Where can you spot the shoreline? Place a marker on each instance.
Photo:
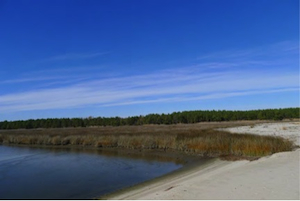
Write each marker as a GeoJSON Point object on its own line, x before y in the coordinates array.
{"type": "Point", "coordinates": [224, 180]}
{"type": "Point", "coordinates": [270, 177]}
{"type": "Point", "coordinates": [186, 171]}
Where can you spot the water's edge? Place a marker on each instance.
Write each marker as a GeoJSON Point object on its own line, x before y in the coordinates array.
{"type": "Point", "coordinates": [185, 169]}
{"type": "Point", "coordinates": [179, 159]}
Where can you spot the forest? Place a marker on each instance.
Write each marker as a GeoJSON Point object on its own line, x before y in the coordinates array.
{"type": "Point", "coordinates": [185, 117]}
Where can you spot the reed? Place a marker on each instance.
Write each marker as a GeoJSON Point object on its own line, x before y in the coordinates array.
{"type": "Point", "coordinates": [204, 142]}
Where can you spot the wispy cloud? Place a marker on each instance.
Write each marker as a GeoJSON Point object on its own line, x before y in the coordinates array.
{"type": "Point", "coordinates": [147, 89]}
{"type": "Point", "coordinates": [74, 56]}
{"type": "Point", "coordinates": [52, 76]}
{"type": "Point", "coordinates": [204, 97]}
{"type": "Point", "coordinates": [205, 80]}
{"type": "Point", "coordinates": [276, 51]}
{"type": "Point", "coordinates": [31, 79]}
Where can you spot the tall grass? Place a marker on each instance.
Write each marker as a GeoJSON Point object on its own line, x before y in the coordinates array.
{"type": "Point", "coordinates": [205, 142]}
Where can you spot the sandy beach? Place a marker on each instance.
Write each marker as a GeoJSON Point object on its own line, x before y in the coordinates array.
{"type": "Point", "coordinates": [272, 177]}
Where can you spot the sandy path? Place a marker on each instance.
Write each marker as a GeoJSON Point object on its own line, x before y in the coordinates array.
{"type": "Point", "coordinates": [272, 177]}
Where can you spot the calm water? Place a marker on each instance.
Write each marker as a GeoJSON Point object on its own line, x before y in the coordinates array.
{"type": "Point", "coordinates": [33, 173]}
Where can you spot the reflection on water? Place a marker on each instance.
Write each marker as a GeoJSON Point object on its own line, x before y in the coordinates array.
{"type": "Point", "coordinates": [52, 173]}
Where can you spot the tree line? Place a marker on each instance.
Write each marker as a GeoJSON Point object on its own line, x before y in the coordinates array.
{"type": "Point", "coordinates": [185, 117]}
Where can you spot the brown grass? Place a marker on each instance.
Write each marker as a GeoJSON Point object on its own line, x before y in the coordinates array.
{"type": "Point", "coordinates": [200, 139]}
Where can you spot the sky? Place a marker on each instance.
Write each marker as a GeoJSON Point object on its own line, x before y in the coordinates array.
{"type": "Point", "coordinates": [81, 58]}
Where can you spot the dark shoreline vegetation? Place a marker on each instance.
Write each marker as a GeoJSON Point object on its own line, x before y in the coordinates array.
{"type": "Point", "coordinates": [200, 139]}
{"type": "Point", "coordinates": [186, 117]}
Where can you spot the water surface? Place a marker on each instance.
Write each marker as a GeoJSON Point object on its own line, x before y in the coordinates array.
{"type": "Point", "coordinates": [42, 173]}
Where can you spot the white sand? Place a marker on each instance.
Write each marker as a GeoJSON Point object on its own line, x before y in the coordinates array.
{"type": "Point", "coordinates": [272, 177]}
{"type": "Point", "coordinates": [287, 130]}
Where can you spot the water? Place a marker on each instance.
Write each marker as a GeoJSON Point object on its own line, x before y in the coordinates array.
{"type": "Point", "coordinates": [40, 173]}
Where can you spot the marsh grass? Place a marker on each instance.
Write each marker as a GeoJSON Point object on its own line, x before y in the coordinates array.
{"type": "Point", "coordinates": [200, 140]}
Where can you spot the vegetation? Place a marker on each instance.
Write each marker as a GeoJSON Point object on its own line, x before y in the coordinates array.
{"type": "Point", "coordinates": [199, 139]}
{"type": "Point", "coordinates": [173, 118]}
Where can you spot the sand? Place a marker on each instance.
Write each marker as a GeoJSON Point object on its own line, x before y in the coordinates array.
{"type": "Point", "coordinates": [288, 130]}
{"type": "Point", "coordinates": [272, 177]}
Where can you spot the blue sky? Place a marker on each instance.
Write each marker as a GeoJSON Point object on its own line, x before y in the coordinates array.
{"type": "Point", "coordinates": [80, 58]}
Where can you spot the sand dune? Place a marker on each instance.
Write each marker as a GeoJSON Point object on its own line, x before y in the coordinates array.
{"type": "Point", "coordinates": [272, 177]}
